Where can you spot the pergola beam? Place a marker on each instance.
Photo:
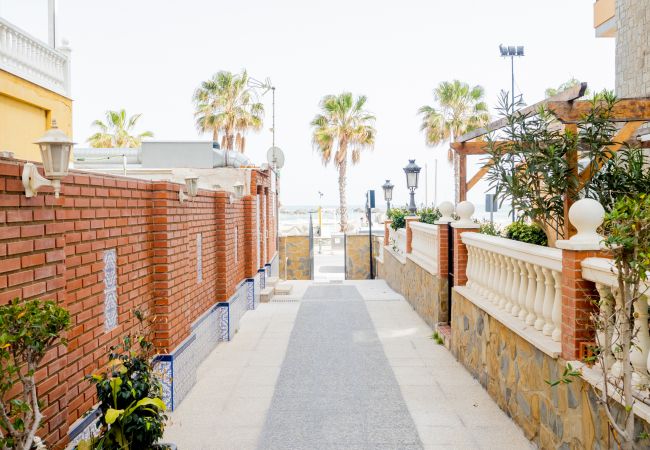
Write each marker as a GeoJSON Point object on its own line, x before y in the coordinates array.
{"type": "Point", "coordinates": [568, 95]}
{"type": "Point", "coordinates": [626, 110]}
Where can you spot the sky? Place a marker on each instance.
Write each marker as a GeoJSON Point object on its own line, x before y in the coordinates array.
{"type": "Point", "coordinates": [148, 56]}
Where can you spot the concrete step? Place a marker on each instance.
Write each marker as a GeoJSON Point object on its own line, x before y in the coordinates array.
{"type": "Point", "coordinates": [272, 281]}
{"type": "Point", "coordinates": [283, 289]}
{"type": "Point", "coordinates": [266, 294]}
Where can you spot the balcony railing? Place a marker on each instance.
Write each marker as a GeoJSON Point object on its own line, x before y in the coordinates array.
{"type": "Point", "coordinates": [522, 279]}
{"type": "Point", "coordinates": [33, 60]}
{"type": "Point", "coordinates": [602, 272]}
{"type": "Point", "coordinates": [424, 246]}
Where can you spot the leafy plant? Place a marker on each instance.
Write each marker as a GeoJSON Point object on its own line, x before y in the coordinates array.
{"type": "Point", "coordinates": [28, 330]}
{"type": "Point", "coordinates": [429, 215]}
{"type": "Point", "coordinates": [117, 131]}
{"type": "Point", "coordinates": [489, 228]}
{"type": "Point", "coordinates": [130, 396]}
{"type": "Point", "coordinates": [523, 232]}
{"type": "Point", "coordinates": [627, 228]}
{"type": "Point", "coordinates": [567, 377]}
{"type": "Point", "coordinates": [398, 218]}
{"type": "Point", "coordinates": [532, 161]}
{"type": "Point", "coordinates": [436, 337]}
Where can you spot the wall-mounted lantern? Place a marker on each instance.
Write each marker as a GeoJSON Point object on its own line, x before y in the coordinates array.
{"type": "Point", "coordinates": [55, 148]}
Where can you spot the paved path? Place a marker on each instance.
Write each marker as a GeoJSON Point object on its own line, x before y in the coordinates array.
{"type": "Point", "coordinates": [349, 366]}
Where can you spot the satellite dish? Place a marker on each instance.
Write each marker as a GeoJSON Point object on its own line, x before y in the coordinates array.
{"type": "Point", "coordinates": [275, 157]}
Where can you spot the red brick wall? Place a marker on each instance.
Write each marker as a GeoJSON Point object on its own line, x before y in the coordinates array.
{"type": "Point", "coordinates": [53, 249]}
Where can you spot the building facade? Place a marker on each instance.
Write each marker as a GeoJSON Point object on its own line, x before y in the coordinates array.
{"type": "Point", "coordinates": [629, 22]}
{"type": "Point", "coordinates": [34, 89]}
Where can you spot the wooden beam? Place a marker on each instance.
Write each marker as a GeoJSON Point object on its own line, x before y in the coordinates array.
{"type": "Point", "coordinates": [462, 178]}
{"type": "Point", "coordinates": [478, 175]}
{"type": "Point", "coordinates": [572, 161]}
{"type": "Point", "coordinates": [626, 110]}
{"type": "Point", "coordinates": [474, 147]}
{"type": "Point", "coordinates": [565, 96]}
{"type": "Point", "coordinates": [623, 135]}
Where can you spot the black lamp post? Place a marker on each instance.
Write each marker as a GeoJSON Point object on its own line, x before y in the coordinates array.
{"type": "Point", "coordinates": [412, 172]}
{"type": "Point", "coordinates": [388, 194]}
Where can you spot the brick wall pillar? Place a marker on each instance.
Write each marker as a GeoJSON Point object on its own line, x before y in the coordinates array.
{"type": "Point", "coordinates": [409, 233]}
{"type": "Point", "coordinates": [577, 302]}
{"type": "Point", "coordinates": [460, 252]}
{"type": "Point", "coordinates": [250, 236]}
{"type": "Point", "coordinates": [577, 293]}
{"type": "Point", "coordinates": [443, 249]}
{"type": "Point", "coordinates": [387, 232]}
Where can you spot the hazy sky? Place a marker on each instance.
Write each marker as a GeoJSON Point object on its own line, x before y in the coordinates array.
{"type": "Point", "coordinates": [148, 56]}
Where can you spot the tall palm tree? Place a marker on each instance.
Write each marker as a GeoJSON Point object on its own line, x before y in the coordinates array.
{"type": "Point", "coordinates": [343, 128]}
{"type": "Point", "coordinates": [459, 108]}
{"type": "Point", "coordinates": [117, 131]}
{"type": "Point", "coordinates": [226, 104]}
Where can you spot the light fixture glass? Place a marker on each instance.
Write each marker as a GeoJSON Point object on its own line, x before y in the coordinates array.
{"type": "Point", "coordinates": [239, 189]}
{"type": "Point", "coordinates": [388, 190]}
{"type": "Point", "coordinates": [192, 184]}
{"type": "Point", "coordinates": [55, 147]}
{"type": "Point", "coordinates": [412, 171]}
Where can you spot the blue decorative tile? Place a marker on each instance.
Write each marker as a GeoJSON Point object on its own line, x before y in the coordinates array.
{"type": "Point", "coordinates": [110, 289]}
{"type": "Point", "coordinates": [262, 274]}
{"type": "Point", "coordinates": [84, 428]}
{"type": "Point", "coordinates": [250, 293]}
{"type": "Point", "coordinates": [163, 366]}
{"type": "Point", "coordinates": [110, 309]}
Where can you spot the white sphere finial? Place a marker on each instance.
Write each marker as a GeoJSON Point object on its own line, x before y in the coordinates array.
{"type": "Point", "coordinates": [587, 215]}
{"type": "Point", "coordinates": [446, 209]}
{"type": "Point", "coordinates": [465, 210]}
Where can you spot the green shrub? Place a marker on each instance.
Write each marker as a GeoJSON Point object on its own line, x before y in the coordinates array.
{"type": "Point", "coordinates": [489, 228]}
{"type": "Point", "coordinates": [523, 232]}
{"type": "Point", "coordinates": [130, 397]}
{"type": "Point", "coordinates": [28, 330]}
{"type": "Point", "coordinates": [398, 217]}
{"type": "Point", "coordinates": [429, 215]}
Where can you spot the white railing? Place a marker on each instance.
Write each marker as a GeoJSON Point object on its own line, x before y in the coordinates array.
{"type": "Point", "coordinates": [424, 246]}
{"type": "Point", "coordinates": [397, 241]}
{"type": "Point", "coordinates": [33, 60]}
{"type": "Point", "coordinates": [602, 272]}
{"type": "Point", "coordinates": [522, 279]}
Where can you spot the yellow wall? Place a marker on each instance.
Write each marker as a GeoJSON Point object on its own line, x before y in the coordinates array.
{"type": "Point", "coordinates": [26, 111]}
{"type": "Point", "coordinates": [605, 10]}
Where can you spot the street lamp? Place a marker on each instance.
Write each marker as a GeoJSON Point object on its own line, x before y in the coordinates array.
{"type": "Point", "coordinates": [388, 194]}
{"type": "Point", "coordinates": [412, 172]}
{"type": "Point", "coordinates": [511, 51]}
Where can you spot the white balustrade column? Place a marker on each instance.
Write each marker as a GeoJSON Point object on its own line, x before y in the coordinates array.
{"type": "Point", "coordinates": [556, 312]}
{"type": "Point", "coordinates": [514, 290]}
{"type": "Point", "coordinates": [549, 296]}
{"type": "Point", "coordinates": [493, 275]}
{"type": "Point", "coordinates": [606, 310]}
{"type": "Point", "coordinates": [530, 294]}
{"type": "Point", "coordinates": [639, 351]}
{"type": "Point", "coordinates": [503, 281]}
{"type": "Point", "coordinates": [539, 298]}
{"type": "Point", "coordinates": [523, 290]}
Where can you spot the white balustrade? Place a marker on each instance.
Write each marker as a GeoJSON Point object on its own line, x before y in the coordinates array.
{"type": "Point", "coordinates": [33, 60]}
{"type": "Point", "coordinates": [603, 272]}
{"type": "Point", "coordinates": [424, 246]}
{"type": "Point", "coordinates": [397, 241]}
{"type": "Point", "coordinates": [522, 279]}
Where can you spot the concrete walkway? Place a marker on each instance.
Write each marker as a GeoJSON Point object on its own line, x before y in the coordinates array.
{"type": "Point", "coordinates": [348, 366]}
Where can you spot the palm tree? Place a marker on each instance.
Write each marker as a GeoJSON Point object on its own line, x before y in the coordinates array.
{"type": "Point", "coordinates": [459, 109]}
{"type": "Point", "coordinates": [226, 105]}
{"type": "Point", "coordinates": [117, 131]}
{"type": "Point", "coordinates": [343, 127]}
